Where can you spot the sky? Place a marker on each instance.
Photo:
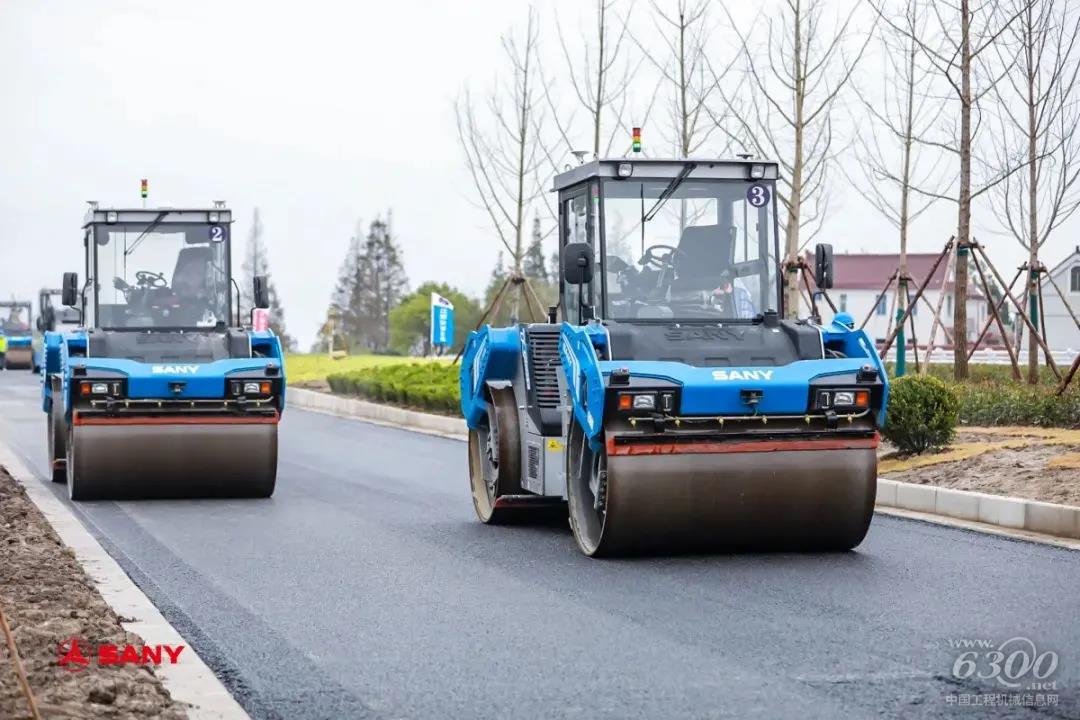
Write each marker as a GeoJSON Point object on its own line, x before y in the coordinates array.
{"type": "Point", "coordinates": [320, 113]}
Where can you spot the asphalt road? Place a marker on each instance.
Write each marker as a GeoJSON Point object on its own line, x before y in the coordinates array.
{"type": "Point", "coordinates": [365, 588]}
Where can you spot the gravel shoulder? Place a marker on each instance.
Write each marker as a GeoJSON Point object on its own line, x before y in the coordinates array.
{"type": "Point", "coordinates": [48, 600]}
{"type": "Point", "coordinates": [1031, 463]}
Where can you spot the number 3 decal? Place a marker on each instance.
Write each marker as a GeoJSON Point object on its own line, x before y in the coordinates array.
{"type": "Point", "coordinates": [757, 195]}
{"type": "Point", "coordinates": [217, 233]}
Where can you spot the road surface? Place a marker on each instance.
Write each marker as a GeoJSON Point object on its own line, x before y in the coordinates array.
{"type": "Point", "coordinates": [365, 588]}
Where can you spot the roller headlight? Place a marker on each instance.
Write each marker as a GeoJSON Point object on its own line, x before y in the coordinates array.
{"type": "Point", "coordinates": [251, 388]}
{"type": "Point", "coordinates": [637, 401]}
{"type": "Point", "coordinates": [100, 388]}
{"type": "Point", "coordinates": [842, 400]}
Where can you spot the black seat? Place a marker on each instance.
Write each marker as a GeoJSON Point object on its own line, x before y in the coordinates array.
{"type": "Point", "coordinates": [705, 251]}
{"type": "Point", "coordinates": [189, 277]}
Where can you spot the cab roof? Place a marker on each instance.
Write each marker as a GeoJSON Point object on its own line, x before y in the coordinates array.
{"type": "Point", "coordinates": [657, 168]}
{"type": "Point", "coordinates": [95, 214]}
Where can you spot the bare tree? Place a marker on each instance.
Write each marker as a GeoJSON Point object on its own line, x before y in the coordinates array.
{"type": "Point", "coordinates": [683, 68]}
{"type": "Point", "coordinates": [599, 76]}
{"type": "Point", "coordinates": [1039, 112]}
{"type": "Point", "coordinates": [796, 79]}
{"type": "Point", "coordinates": [501, 142]}
{"type": "Point", "coordinates": [902, 109]}
{"type": "Point", "coordinates": [957, 52]}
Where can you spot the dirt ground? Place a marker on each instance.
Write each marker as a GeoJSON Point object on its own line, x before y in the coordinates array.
{"type": "Point", "coordinates": [48, 600]}
{"type": "Point", "coordinates": [1023, 462]}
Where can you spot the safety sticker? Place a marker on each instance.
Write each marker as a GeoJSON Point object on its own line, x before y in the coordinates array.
{"type": "Point", "coordinates": [554, 444]}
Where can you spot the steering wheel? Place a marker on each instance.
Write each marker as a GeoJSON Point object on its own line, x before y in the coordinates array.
{"type": "Point", "coordinates": [651, 259]}
{"type": "Point", "coordinates": [145, 278]}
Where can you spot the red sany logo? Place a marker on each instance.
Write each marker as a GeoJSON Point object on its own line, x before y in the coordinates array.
{"type": "Point", "coordinates": [71, 655]}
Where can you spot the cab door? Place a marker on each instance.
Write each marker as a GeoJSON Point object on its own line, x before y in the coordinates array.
{"type": "Point", "coordinates": [578, 210]}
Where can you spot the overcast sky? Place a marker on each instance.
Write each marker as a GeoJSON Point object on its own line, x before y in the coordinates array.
{"type": "Point", "coordinates": [319, 113]}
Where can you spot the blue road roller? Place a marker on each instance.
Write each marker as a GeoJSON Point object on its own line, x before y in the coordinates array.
{"type": "Point", "coordinates": [161, 390]}
{"type": "Point", "coordinates": [676, 407]}
{"type": "Point", "coordinates": [17, 345]}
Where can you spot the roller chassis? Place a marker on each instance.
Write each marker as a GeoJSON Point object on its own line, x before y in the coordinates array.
{"type": "Point", "coordinates": [739, 456]}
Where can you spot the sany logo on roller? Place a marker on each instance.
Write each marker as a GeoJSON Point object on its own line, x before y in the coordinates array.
{"type": "Point", "coordinates": [742, 374]}
{"type": "Point", "coordinates": [174, 369]}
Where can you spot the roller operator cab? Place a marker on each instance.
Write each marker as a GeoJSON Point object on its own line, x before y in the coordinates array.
{"type": "Point", "coordinates": [16, 337]}
{"type": "Point", "coordinates": [674, 409]}
{"type": "Point", "coordinates": [160, 390]}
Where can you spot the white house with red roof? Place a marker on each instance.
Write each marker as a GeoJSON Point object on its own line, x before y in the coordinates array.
{"type": "Point", "coordinates": [1061, 330]}
{"type": "Point", "coordinates": [858, 280]}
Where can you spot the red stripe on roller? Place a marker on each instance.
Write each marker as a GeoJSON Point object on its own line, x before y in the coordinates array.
{"type": "Point", "coordinates": [81, 419]}
{"type": "Point", "coordinates": [671, 448]}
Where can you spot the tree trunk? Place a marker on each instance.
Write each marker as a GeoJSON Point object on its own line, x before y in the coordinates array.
{"type": "Point", "coordinates": [963, 229]}
{"type": "Point", "coordinates": [1033, 199]}
{"type": "Point", "coordinates": [791, 292]}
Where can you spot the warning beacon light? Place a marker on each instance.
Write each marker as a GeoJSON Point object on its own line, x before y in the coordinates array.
{"type": "Point", "coordinates": [637, 140]}
{"type": "Point", "coordinates": [143, 188]}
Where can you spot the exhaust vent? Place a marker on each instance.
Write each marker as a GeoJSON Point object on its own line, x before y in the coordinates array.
{"type": "Point", "coordinates": [544, 365]}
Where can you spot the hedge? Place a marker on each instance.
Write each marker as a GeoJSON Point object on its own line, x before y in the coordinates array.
{"type": "Point", "coordinates": [1013, 403]}
{"type": "Point", "coordinates": [429, 386]}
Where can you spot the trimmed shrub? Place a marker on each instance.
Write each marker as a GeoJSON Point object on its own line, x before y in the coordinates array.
{"type": "Point", "coordinates": [1013, 403]}
{"type": "Point", "coordinates": [429, 386]}
{"type": "Point", "coordinates": [922, 414]}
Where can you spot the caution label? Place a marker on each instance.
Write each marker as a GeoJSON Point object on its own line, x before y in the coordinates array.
{"type": "Point", "coordinates": [554, 444]}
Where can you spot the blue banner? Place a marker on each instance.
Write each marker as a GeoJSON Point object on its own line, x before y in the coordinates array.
{"type": "Point", "coordinates": [442, 321]}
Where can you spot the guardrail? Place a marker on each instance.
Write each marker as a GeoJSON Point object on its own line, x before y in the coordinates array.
{"type": "Point", "coordinates": [1062, 358]}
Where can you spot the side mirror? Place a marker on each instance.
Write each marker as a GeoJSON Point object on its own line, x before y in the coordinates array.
{"type": "Point", "coordinates": [823, 266]}
{"type": "Point", "coordinates": [69, 293]}
{"type": "Point", "coordinates": [577, 263]}
{"type": "Point", "coordinates": [262, 292]}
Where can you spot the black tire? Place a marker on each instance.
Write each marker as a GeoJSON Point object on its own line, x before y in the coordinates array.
{"type": "Point", "coordinates": [495, 459]}
{"type": "Point", "coordinates": [588, 515]}
{"type": "Point", "coordinates": [57, 450]}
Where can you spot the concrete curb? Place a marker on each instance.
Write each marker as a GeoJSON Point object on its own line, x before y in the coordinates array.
{"type": "Point", "coordinates": [1027, 519]}
{"type": "Point", "coordinates": [189, 681]}
{"type": "Point", "coordinates": [389, 415]}
{"type": "Point", "coordinates": [1061, 521]}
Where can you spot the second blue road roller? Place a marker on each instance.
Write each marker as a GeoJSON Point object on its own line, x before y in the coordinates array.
{"type": "Point", "coordinates": [675, 408]}
{"type": "Point", "coordinates": [162, 390]}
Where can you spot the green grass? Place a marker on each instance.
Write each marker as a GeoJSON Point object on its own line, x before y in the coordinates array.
{"type": "Point", "coordinates": [303, 368]}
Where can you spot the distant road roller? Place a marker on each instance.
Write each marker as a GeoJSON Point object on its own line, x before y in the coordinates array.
{"type": "Point", "coordinates": [674, 409]}
{"type": "Point", "coordinates": [161, 390]}
{"type": "Point", "coordinates": [15, 316]}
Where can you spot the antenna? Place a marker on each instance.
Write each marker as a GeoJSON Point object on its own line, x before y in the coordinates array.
{"type": "Point", "coordinates": [580, 155]}
{"type": "Point", "coordinates": [744, 155]}
{"type": "Point", "coordinates": [219, 203]}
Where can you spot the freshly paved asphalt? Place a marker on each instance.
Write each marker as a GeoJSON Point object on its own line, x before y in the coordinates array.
{"type": "Point", "coordinates": [366, 588]}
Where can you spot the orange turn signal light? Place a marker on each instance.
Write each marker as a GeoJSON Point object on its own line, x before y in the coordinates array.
{"type": "Point", "coordinates": [264, 388]}
{"type": "Point", "coordinates": [862, 399]}
{"type": "Point", "coordinates": [626, 402]}
{"type": "Point", "coordinates": [84, 388]}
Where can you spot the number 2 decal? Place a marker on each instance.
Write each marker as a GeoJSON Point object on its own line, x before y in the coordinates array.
{"type": "Point", "coordinates": [757, 195]}
{"type": "Point", "coordinates": [217, 233]}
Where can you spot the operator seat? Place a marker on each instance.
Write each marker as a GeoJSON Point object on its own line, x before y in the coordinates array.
{"type": "Point", "coordinates": [189, 277]}
{"type": "Point", "coordinates": [705, 251]}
